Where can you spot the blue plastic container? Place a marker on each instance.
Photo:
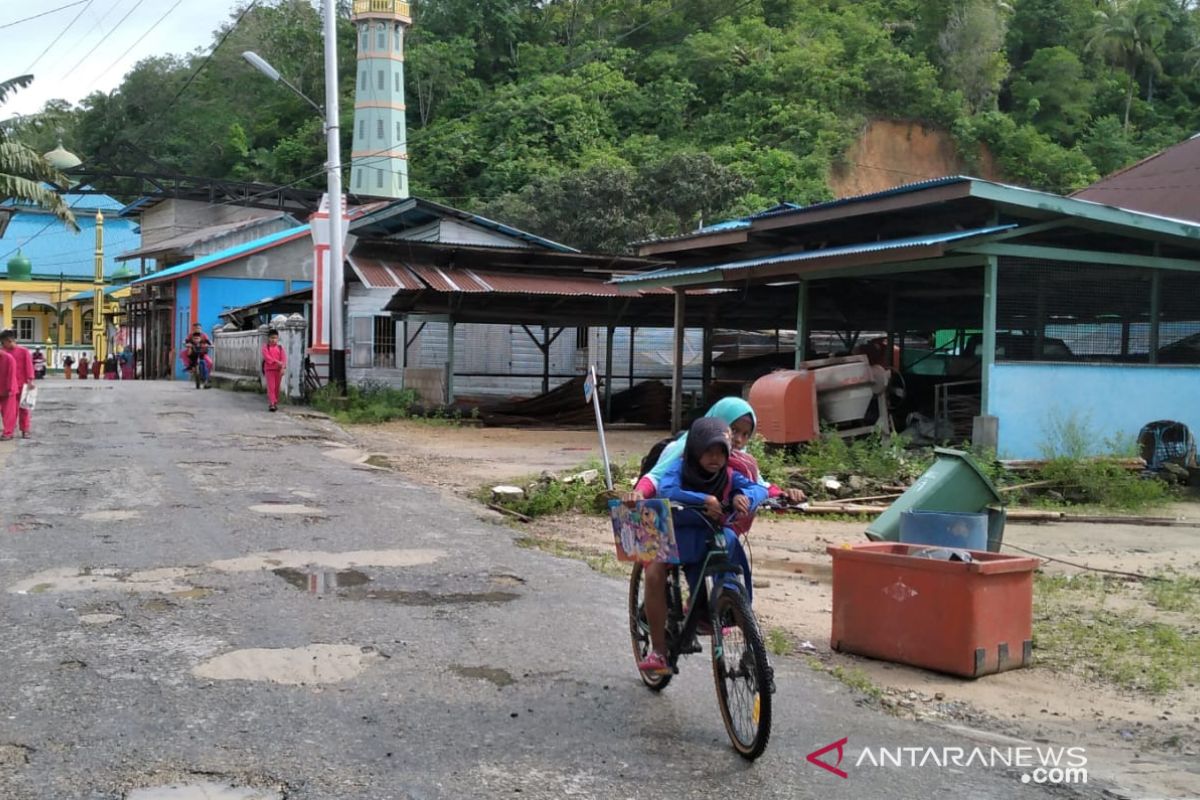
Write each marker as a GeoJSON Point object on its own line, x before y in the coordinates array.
{"type": "Point", "coordinates": [945, 529]}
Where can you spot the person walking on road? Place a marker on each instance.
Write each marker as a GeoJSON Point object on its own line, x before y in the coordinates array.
{"type": "Point", "coordinates": [83, 367]}
{"type": "Point", "coordinates": [68, 364]}
{"type": "Point", "coordinates": [10, 394]}
{"type": "Point", "coordinates": [274, 360]}
{"type": "Point", "coordinates": [25, 377]}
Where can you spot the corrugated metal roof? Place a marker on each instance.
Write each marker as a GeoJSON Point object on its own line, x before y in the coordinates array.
{"type": "Point", "coordinates": [379, 274]}
{"type": "Point", "coordinates": [228, 254]}
{"type": "Point", "coordinates": [1166, 184]}
{"type": "Point", "coordinates": [418, 211]}
{"type": "Point", "coordinates": [790, 208]}
{"type": "Point", "coordinates": [91, 294]}
{"type": "Point", "coordinates": [189, 239]}
{"type": "Point", "coordinates": [810, 255]}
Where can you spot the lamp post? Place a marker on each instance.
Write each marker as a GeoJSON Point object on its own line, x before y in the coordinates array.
{"type": "Point", "coordinates": [333, 169]}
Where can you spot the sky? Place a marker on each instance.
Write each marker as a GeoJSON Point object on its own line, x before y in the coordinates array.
{"type": "Point", "coordinates": [185, 25]}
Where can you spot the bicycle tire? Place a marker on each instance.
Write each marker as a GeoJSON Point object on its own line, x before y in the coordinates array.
{"type": "Point", "coordinates": [196, 376]}
{"type": "Point", "coordinates": [733, 612]}
{"type": "Point", "coordinates": [639, 630]}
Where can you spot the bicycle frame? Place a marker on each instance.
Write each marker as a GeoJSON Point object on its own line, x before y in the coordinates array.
{"type": "Point", "coordinates": [717, 574]}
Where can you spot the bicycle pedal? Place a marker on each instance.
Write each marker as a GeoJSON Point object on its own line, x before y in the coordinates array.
{"type": "Point", "coordinates": [692, 647]}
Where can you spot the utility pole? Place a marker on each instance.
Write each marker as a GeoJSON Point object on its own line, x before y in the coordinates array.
{"type": "Point", "coordinates": [337, 344]}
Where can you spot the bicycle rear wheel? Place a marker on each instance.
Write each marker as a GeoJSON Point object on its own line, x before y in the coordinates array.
{"type": "Point", "coordinates": [742, 675]}
{"type": "Point", "coordinates": [196, 375]}
{"type": "Point", "coordinates": [639, 628]}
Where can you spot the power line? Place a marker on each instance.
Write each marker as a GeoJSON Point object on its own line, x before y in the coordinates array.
{"type": "Point", "coordinates": [43, 14]}
{"type": "Point", "coordinates": [138, 41]}
{"type": "Point", "coordinates": [103, 17]}
{"type": "Point", "coordinates": [61, 34]}
{"type": "Point", "coordinates": [111, 31]}
{"type": "Point", "coordinates": [43, 229]}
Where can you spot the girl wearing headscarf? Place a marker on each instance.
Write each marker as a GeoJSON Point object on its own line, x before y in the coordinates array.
{"type": "Point", "coordinates": [742, 422]}
{"type": "Point", "coordinates": [701, 477]}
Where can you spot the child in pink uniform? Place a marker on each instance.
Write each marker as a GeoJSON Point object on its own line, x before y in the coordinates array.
{"type": "Point", "coordinates": [10, 394]}
{"type": "Point", "coordinates": [274, 359]}
{"type": "Point", "coordinates": [23, 363]}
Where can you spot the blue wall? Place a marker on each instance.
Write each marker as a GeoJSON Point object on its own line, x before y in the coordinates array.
{"type": "Point", "coordinates": [218, 295]}
{"type": "Point", "coordinates": [1113, 401]}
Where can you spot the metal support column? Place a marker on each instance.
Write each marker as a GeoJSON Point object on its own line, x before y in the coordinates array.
{"type": "Point", "coordinates": [608, 372]}
{"type": "Point", "coordinates": [677, 364]}
{"type": "Point", "coordinates": [801, 323]}
{"type": "Point", "coordinates": [545, 359]}
{"type": "Point", "coordinates": [991, 271]}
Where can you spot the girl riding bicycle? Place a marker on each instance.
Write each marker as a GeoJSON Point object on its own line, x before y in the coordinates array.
{"type": "Point", "coordinates": [701, 478]}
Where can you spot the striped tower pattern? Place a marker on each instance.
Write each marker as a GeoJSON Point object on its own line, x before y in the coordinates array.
{"type": "Point", "coordinates": [379, 156]}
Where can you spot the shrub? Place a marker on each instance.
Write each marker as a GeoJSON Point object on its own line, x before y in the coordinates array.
{"type": "Point", "coordinates": [370, 402]}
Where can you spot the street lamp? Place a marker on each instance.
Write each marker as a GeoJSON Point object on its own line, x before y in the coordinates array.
{"type": "Point", "coordinates": [333, 170]}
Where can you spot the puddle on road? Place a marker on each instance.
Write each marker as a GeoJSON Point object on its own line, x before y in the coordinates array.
{"type": "Point", "coordinates": [322, 581]}
{"type": "Point", "coordinates": [98, 619]}
{"type": "Point", "coordinates": [498, 677]}
{"type": "Point", "coordinates": [203, 791]}
{"type": "Point", "coordinates": [300, 559]}
{"type": "Point", "coordinates": [301, 666]}
{"type": "Point", "coordinates": [114, 515]}
{"type": "Point", "coordinates": [423, 598]}
{"type": "Point", "coordinates": [81, 579]}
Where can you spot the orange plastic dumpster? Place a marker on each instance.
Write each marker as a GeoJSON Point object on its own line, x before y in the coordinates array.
{"type": "Point", "coordinates": [963, 618]}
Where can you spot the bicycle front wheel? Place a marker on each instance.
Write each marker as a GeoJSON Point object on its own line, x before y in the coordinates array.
{"type": "Point", "coordinates": [196, 376]}
{"type": "Point", "coordinates": [639, 627]}
{"type": "Point", "coordinates": [742, 675]}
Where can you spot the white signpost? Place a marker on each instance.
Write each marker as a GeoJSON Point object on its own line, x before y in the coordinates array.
{"type": "Point", "coordinates": [591, 394]}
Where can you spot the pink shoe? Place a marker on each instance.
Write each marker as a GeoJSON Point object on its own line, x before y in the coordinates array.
{"type": "Point", "coordinates": [654, 664]}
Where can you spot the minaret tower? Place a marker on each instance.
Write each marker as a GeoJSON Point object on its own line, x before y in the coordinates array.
{"type": "Point", "coordinates": [379, 157]}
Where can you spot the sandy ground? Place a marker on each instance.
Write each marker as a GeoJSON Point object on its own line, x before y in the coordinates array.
{"type": "Point", "coordinates": [1124, 731]}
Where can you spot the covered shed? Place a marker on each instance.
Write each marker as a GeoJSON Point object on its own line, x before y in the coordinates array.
{"type": "Point", "coordinates": [1048, 313]}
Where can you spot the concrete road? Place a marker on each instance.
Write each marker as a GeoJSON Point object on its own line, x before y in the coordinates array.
{"type": "Point", "coordinates": [196, 593]}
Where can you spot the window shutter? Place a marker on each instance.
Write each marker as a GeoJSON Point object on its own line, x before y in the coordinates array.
{"type": "Point", "coordinates": [362, 346]}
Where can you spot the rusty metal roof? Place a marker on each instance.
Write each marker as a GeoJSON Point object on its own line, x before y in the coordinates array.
{"type": "Point", "coordinates": [400, 276]}
{"type": "Point", "coordinates": [1166, 184]}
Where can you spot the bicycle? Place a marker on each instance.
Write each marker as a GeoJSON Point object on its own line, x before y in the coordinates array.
{"type": "Point", "coordinates": [199, 372]}
{"type": "Point", "coordinates": [742, 673]}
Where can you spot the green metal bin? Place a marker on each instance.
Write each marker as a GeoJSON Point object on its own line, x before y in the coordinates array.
{"type": "Point", "coordinates": [953, 483]}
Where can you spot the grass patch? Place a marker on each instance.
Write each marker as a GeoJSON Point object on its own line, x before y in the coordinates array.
{"type": "Point", "coordinates": [375, 402]}
{"type": "Point", "coordinates": [604, 563]}
{"type": "Point", "coordinates": [545, 496]}
{"type": "Point", "coordinates": [1098, 627]}
{"type": "Point", "coordinates": [778, 642]}
{"type": "Point", "coordinates": [1102, 482]}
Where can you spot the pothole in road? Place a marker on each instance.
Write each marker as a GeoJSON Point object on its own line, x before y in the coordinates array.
{"type": "Point", "coordinates": [322, 581]}
{"type": "Point", "coordinates": [14, 755]}
{"type": "Point", "coordinates": [288, 510]}
{"type": "Point", "coordinates": [402, 597]}
{"type": "Point", "coordinates": [300, 666]}
{"type": "Point", "coordinates": [112, 515]}
{"type": "Point", "coordinates": [203, 791]}
{"type": "Point", "coordinates": [176, 414]}
{"type": "Point", "coordinates": [25, 523]}
{"type": "Point", "coordinates": [76, 579]}
{"type": "Point", "coordinates": [498, 677]}
{"type": "Point", "coordinates": [302, 559]}
{"type": "Point", "coordinates": [98, 619]}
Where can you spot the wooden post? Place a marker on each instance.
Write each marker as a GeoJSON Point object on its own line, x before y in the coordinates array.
{"type": "Point", "coordinates": [801, 323]}
{"type": "Point", "coordinates": [677, 364]}
{"type": "Point", "coordinates": [706, 366]}
{"type": "Point", "coordinates": [608, 373]}
{"type": "Point", "coordinates": [450, 362]}
{"type": "Point", "coordinates": [545, 348]}
{"type": "Point", "coordinates": [632, 358]}
{"type": "Point", "coordinates": [991, 273]}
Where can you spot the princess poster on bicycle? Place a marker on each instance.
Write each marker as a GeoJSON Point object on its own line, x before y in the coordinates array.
{"type": "Point", "coordinates": [644, 532]}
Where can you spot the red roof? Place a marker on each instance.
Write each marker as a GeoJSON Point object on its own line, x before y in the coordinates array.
{"type": "Point", "coordinates": [1166, 184]}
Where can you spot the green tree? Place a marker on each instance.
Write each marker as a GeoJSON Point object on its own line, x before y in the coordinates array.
{"type": "Point", "coordinates": [1127, 33]}
{"type": "Point", "coordinates": [1052, 93]}
{"type": "Point", "coordinates": [971, 52]}
{"type": "Point", "coordinates": [1108, 145]}
{"type": "Point", "coordinates": [1038, 24]}
{"type": "Point", "coordinates": [23, 171]}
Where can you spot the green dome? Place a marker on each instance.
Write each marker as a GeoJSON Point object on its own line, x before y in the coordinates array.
{"type": "Point", "coordinates": [123, 274]}
{"type": "Point", "coordinates": [19, 267]}
{"type": "Point", "coordinates": [61, 159]}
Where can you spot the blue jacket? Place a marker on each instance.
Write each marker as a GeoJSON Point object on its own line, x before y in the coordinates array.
{"type": "Point", "coordinates": [691, 532]}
